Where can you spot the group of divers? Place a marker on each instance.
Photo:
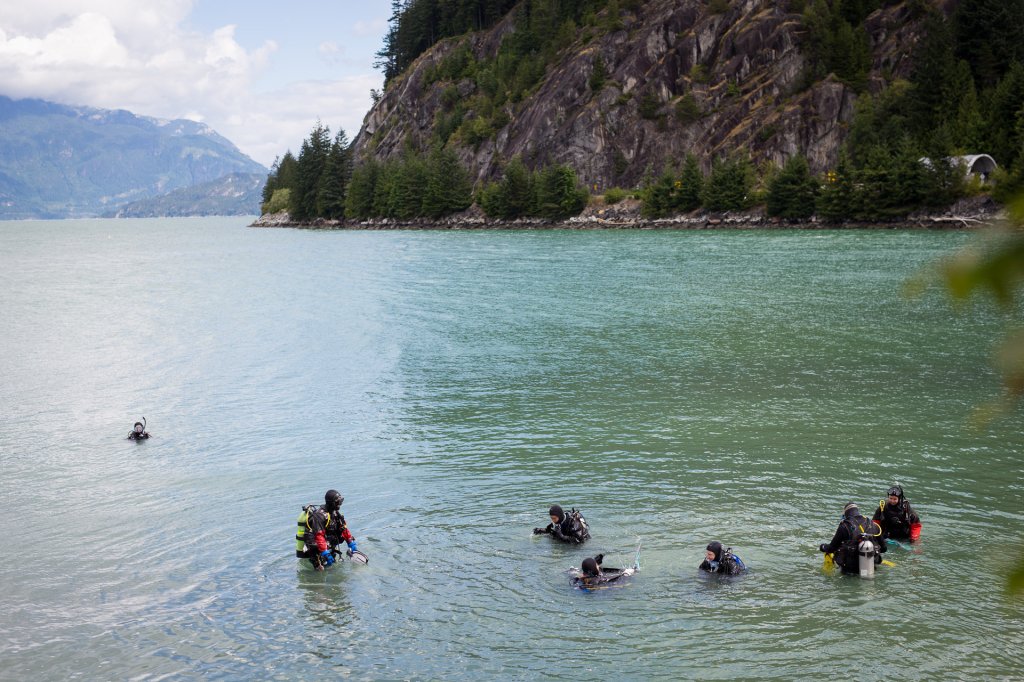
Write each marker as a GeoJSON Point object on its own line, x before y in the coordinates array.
{"type": "Point", "coordinates": [856, 547]}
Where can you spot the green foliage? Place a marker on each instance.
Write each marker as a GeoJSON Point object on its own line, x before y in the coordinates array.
{"type": "Point", "coordinates": [730, 185]}
{"type": "Point", "coordinates": [691, 185]}
{"type": "Point", "coordinates": [837, 42]}
{"type": "Point", "coordinates": [792, 193]}
{"type": "Point", "coordinates": [671, 194]}
{"type": "Point", "coordinates": [310, 166]}
{"type": "Point", "coordinates": [552, 193]}
{"type": "Point", "coordinates": [614, 195]}
{"type": "Point", "coordinates": [449, 189]}
{"type": "Point", "coordinates": [334, 180]}
{"type": "Point", "coordinates": [687, 109]}
{"type": "Point", "coordinates": [558, 193]}
{"type": "Point", "coordinates": [282, 176]}
{"type": "Point", "coordinates": [359, 200]}
{"type": "Point", "coordinates": [989, 36]}
{"type": "Point", "coordinates": [598, 75]}
{"type": "Point", "coordinates": [658, 197]}
{"type": "Point", "coordinates": [718, 6]}
{"type": "Point", "coordinates": [278, 201]}
{"type": "Point", "coordinates": [649, 106]}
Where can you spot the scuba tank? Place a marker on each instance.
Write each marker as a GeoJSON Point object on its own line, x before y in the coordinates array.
{"type": "Point", "coordinates": [866, 557]}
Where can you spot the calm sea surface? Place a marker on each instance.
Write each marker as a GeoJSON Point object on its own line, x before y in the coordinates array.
{"type": "Point", "coordinates": [678, 387]}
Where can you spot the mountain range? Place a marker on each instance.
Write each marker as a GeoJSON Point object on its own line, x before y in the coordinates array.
{"type": "Point", "coordinates": [59, 161]}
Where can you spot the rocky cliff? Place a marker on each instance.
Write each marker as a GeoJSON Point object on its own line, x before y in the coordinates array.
{"type": "Point", "coordinates": [680, 78]}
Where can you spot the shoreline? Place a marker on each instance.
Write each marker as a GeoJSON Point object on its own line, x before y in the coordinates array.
{"type": "Point", "coordinates": [968, 214]}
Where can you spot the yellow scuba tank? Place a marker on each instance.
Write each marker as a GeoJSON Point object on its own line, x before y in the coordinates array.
{"type": "Point", "coordinates": [300, 535]}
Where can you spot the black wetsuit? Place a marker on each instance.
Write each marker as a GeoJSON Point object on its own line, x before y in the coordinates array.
{"type": "Point", "coordinates": [844, 542]}
{"type": "Point", "coordinates": [725, 564]}
{"type": "Point", "coordinates": [138, 436]}
{"type": "Point", "coordinates": [896, 519]}
{"type": "Point", "coordinates": [569, 529]}
{"type": "Point", "coordinates": [332, 526]}
{"type": "Point", "coordinates": [607, 575]}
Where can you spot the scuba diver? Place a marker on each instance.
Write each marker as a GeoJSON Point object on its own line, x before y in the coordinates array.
{"type": "Point", "coordinates": [897, 518]}
{"type": "Point", "coordinates": [719, 560]}
{"type": "Point", "coordinates": [592, 573]}
{"type": "Point", "coordinates": [857, 544]}
{"type": "Point", "coordinates": [571, 527]}
{"type": "Point", "coordinates": [138, 431]}
{"type": "Point", "coordinates": [321, 529]}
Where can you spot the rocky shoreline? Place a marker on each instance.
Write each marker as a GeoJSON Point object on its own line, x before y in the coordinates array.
{"type": "Point", "coordinates": [966, 214]}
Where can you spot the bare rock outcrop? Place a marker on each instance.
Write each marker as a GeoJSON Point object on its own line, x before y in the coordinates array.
{"type": "Point", "coordinates": [680, 80]}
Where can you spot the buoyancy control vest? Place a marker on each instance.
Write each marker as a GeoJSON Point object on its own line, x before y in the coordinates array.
{"type": "Point", "coordinates": [858, 529]}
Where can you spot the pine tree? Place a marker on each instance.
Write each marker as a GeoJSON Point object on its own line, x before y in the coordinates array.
{"type": "Point", "coordinates": [730, 185]}
{"type": "Point", "coordinates": [361, 190]}
{"type": "Point", "coordinates": [837, 197]}
{"type": "Point", "coordinates": [658, 197]}
{"type": "Point", "coordinates": [558, 193]}
{"type": "Point", "coordinates": [691, 186]}
{"type": "Point", "coordinates": [311, 163]}
{"type": "Point", "coordinates": [449, 188]}
{"type": "Point", "coordinates": [335, 179]}
{"type": "Point", "coordinates": [793, 191]}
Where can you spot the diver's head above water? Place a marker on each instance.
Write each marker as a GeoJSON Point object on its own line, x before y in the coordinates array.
{"type": "Point", "coordinates": [895, 494]}
{"type": "Point", "coordinates": [851, 510]}
{"type": "Point", "coordinates": [138, 427]}
{"type": "Point", "coordinates": [556, 514]}
{"type": "Point", "coordinates": [714, 551]}
{"type": "Point", "coordinates": [333, 500]}
{"type": "Point", "coordinates": [590, 568]}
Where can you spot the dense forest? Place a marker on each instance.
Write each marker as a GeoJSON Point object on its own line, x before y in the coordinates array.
{"type": "Point", "coordinates": [965, 94]}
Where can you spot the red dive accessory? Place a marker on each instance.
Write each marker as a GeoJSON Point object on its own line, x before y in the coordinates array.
{"type": "Point", "coordinates": [915, 531]}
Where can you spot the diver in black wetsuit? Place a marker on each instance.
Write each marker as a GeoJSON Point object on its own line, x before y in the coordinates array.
{"type": "Point", "coordinates": [568, 527]}
{"type": "Point", "coordinates": [593, 574]}
{"type": "Point", "coordinates": [852, 529]}
{"type": "Point", "coordinates": [720, 560]}
{"type": "Point", "coordinates": [896, 516]}
{"type": "Point", "coordinates": [138, 432]}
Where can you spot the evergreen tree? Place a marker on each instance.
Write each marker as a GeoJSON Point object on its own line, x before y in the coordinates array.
{"type": "Point", "coordinates": [793, 191]}
{"type": "Point", "coordinates": [989, 36]}
{"type": "Point", "coordinates": [334, 180]}
{"type": "Point", "coordinates": [410, 183]}
{"type": "Point", "coordinates": [559, 194]}
{"type": "Point", "coordinates": [449, 188]}
{"type": "Point", "coordinates": [311, 163]}
{"type": "Point", "coordinates": [359, 198]}
{"type": "Point", "coordinates": [836, 200]}
{"type": "Point", "coordinates": [658, 197]}
{"type": "Point", "coordinates": [933, 74]}
{"type": "Point", "coordinates": [730, 185]}
{"type": "Point", "coordinates": [691, 186]}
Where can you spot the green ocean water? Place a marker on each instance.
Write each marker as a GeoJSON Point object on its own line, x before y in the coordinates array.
{"type": "Point", "coordinates": [678, 387]}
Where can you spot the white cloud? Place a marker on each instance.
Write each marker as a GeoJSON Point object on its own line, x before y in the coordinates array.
{"type": "Point", "coordinates": [375, 27]}
{"type": "Point", "coordinates": [123, 54]}
{"type": "Point", "coordinates": [279, 121]}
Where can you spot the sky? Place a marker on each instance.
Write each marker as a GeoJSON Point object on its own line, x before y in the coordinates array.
{"type": "Point", "coordinates": [259, 73]}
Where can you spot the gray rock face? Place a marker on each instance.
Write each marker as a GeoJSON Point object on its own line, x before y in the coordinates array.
{"type": "Point", "coordinates": [743, 69]}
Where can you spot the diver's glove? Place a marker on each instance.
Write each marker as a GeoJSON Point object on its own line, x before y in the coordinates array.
{"type": "Point", "coordinates": [629, 571]}
{"type": "Point", "coordinates": [327, 558]}
{"type": "Point", "coordinates": [352, 546]}
{"type": "Point", "coordinates": [538, 531]}
{"type": "Point", "coordinates": [823, 547]}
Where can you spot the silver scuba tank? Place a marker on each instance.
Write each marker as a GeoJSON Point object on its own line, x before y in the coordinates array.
{"type": "Point", "coordinates": [866, 558]}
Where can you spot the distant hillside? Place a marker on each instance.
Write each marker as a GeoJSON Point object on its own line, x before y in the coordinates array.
{"type": "Point", "coordinates": [235, 194]}
{"type": "Point", "coordinates": [58, 161]}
